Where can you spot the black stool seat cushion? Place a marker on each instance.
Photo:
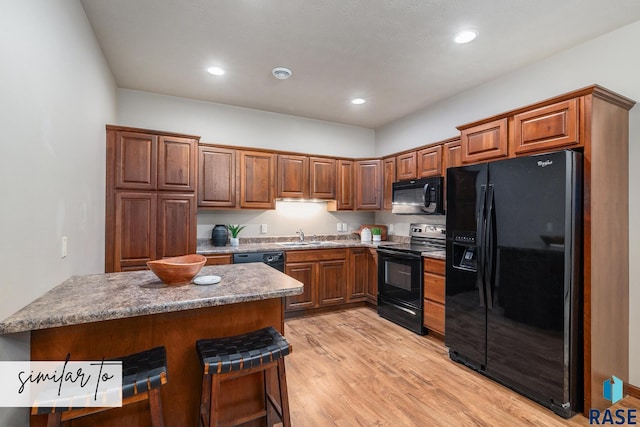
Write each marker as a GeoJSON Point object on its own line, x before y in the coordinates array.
{"type": "Point", "coordinates": [143, 371]}
{"type": "Point", "coordinates": [140, 372]}
{"type": "Point", "coordinates": [246, 351]}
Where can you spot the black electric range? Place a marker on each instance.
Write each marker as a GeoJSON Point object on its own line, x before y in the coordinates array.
{"type": "Point", "coordinates": [400, 275]}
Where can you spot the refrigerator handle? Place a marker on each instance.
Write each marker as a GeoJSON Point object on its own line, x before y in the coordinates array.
{"type": "Point", "coordinates": [489, 248]}
{"type": "Point", "coordinates": [480, 228]}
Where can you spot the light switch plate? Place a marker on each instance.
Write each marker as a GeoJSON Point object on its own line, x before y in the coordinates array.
{"type": "Point", "coordinates": [64, 246]}
{"type": "Point", "coordinates": [263, 228]}
{"type": "Point", "coordinates": [339, 226]}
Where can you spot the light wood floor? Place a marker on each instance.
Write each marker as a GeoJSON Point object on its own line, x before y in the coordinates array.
{"type": "Point", "coordinates": [353, 368]}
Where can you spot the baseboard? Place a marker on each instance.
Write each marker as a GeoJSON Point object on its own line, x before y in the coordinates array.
{"type": "Point", "coordinates": [632, 391]}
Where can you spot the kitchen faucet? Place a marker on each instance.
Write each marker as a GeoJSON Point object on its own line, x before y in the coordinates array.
{"type": "Point", "coordinates": [301, 233]}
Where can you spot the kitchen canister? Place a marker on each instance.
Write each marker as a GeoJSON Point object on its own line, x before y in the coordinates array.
{"type": "Point", "coordinates": [365, 235]}
{"type": "Point", "coordinates": [220, 235]}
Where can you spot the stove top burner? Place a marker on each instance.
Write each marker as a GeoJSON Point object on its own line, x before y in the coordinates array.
{"type": "Point", "coordinates": [424, 238]}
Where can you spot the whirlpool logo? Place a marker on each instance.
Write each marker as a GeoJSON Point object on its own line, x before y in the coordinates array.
{"type": "Point", "coordinates": [544, 163]}
{"type": "Point", "coordinates": [612, 390]}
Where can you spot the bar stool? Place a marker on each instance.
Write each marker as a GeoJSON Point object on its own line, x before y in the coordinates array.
{"type": "Point", "coordinates": [232, 357]}
{"type": "Point", "coordinates": [142, 375]}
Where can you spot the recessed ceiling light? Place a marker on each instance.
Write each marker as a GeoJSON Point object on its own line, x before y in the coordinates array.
{"type": "Point", "coordinates": [216, 71]}
{"type": "Point", "coordinates": [465, 36]}
{"type": "Point", "coordinates": [281, 73]}
{"type": "Point", "coordinates": [358, 101]}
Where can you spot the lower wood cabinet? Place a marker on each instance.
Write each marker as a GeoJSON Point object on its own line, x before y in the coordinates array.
{"type": "Point", "coordinates": [434, 292]}
{"type": "Point", "coordinates": [372, 277]}
{"type": "Point", "coordinates": [358, 274]}
{"type": "Point", "coordinates": [219, 259]}
{"type": "Point", "coordinates": [333, 277]}
{"type": "Point", "coordinates": [324, 274]}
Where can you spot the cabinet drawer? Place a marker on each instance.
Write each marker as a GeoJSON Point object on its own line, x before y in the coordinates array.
{"type": "Point", "coordinates": [315, 255]}
{"type": "Point", "coordinates": [435, 266]}
{"type": "Point", "coordinates": [434, 316]}
{"type": "Point", "coordinates": [218, 259]}
{"type": "Point", "coordinates": [434, 287]}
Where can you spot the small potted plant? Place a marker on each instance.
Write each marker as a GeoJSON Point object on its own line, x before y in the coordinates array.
{"type": "Point", "coordinates": [376, 234]}
{"type": "Point", "coordinates": [235, 229]}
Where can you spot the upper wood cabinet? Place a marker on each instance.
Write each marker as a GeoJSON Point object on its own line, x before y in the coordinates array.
{"type": "Point", "coordinates": [345, 199]}
{"type": "Point", "coordinates": [368, 184]}
{"type": "Point", "coordinates": [293, 176]}
{"type": "Point", "coordinates": [145, 161]}
{"type": "Point", "coordinates": [389, 177]}
{"type": "Point", "coordinates": [322, 178]}
{"type": "Point", "coordinates": [430, 161]}
{"type": "Point", "coordinates": [177, 160]}
{"type": "Point", "coordinates": [406, 166]}
{"type": "Point", "coordinates": [547, 127]}
{"type": "Point", "coordinates": [216, 177]}
{"type": "Point", "coordinates": [306, 177]}
{"type": "Point", "coordinates": [451, 155]}
{"type": "Point", "coordinates": [257, 179]}
{"type": "Point", "coordinates": [484, 142]}
{"type": "Point", "coordinates": [136, 160]}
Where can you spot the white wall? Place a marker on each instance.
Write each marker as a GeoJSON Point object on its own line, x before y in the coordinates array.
{"type": "Point", "coordinates": [610, 61]}
{"type": "Point", "coordinates": [57, 94]}
{"type": "Point", "coordinates": [244, 127]}
{"type": "Point", "coordinates": [285, 220]}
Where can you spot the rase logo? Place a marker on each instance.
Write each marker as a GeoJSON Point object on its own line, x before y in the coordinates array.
{"type": "Point", "coordinates": [612, 390]}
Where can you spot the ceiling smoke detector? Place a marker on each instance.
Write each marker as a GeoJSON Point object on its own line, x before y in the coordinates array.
{"type": "Point", "coordinates": [281, 73]}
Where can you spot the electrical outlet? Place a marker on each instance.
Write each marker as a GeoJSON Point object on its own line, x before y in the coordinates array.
{"type": "Point", "coordinates": [390, 228]}
{"type": "Point", "coordinates": [345, 227]}
{"type": "Point", "coordinates": [263, 228]}
{"type": "Point", "coordinates": [339, 226]}
{"type": "Point", "coordinates": [64, 246]}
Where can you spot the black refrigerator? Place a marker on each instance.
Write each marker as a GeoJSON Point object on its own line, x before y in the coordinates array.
{"type": "Point", "coordinates": [513, 274]}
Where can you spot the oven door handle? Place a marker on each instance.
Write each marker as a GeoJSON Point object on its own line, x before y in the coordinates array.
{"type": "Point", "coordinates": [395, 254]}
{"type": "Point", "coordinates": [406, 310]}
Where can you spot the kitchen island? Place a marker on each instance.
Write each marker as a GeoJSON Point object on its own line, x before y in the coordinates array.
{"type": "Point", "coordinates": [110, 315]}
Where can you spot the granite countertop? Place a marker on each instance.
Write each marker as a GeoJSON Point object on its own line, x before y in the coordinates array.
{"type": "Point", "coordinates": [98, 297]}
{"type": "Point", "coordinates": [206, 247]}
{"type": "Point", "coordinates": [434, 254]}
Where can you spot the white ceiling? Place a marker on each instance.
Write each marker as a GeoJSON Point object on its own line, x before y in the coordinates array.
{"type": "Point", "coordinates": [398, 54]}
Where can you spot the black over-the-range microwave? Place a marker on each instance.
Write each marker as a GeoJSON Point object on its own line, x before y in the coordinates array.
{"type": "Point", "coordinates": [418, 197]}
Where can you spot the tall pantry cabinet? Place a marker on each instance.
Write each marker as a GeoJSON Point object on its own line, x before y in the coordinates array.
{"type": "Point", "coordinates": [150, 197]}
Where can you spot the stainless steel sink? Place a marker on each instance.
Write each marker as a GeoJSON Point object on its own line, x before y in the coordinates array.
{"type": "Point", "coordinates": [291, 244]}
{"type": "Point", "coordinates": [306, 243]}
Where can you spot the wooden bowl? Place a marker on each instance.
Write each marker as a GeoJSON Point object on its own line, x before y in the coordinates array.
{"type": "Point", "coordinates": [177, 270]}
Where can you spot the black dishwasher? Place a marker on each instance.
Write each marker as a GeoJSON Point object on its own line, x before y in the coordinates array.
{"type": "Point", "coordinates": [273, 259]}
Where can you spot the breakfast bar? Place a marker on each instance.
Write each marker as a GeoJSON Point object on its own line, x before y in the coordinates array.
{"type": "Point", "coordinates": [108, 315]}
